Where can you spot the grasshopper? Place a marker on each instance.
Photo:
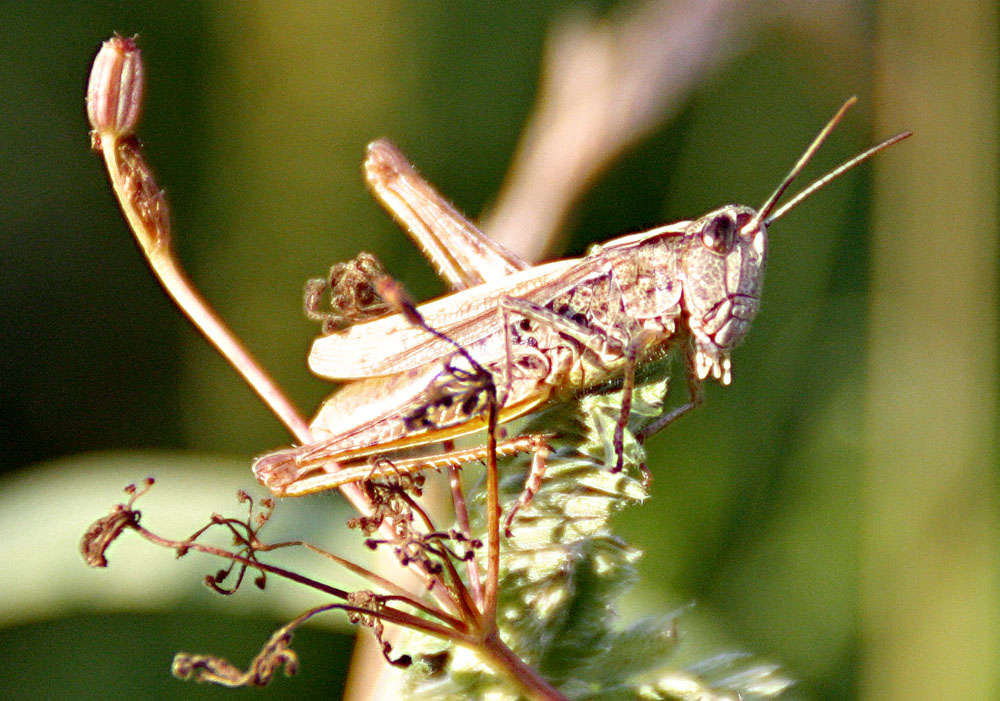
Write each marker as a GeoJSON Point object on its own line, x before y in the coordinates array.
{"type": "Point", "coordinates": [541, 332]}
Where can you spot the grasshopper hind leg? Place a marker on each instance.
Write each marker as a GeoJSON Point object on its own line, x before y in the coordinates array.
{"type": "Point", "coordinates": [278, 470]}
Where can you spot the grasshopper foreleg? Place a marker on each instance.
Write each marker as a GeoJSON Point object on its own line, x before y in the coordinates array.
{"type": "Point", "coordinates": [695, 398]}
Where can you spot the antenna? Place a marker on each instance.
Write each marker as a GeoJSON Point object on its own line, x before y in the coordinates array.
{"type": "Point", "coordinates": [836, 173]}
{"type": "Point", "coordinates": [764, 213]}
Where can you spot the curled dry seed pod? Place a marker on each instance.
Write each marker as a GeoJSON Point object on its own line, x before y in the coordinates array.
{"type": "Point", "coordinates": [103, 532]}
{"type": "Point", "coordinates": [114, 92]}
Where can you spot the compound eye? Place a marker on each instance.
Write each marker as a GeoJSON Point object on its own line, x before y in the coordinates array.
{"type": "Point", "coordinates": [719, 234]}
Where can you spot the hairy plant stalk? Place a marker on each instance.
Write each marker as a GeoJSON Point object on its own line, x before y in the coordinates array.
{"type": "Point", "coordinates": [114, 97]}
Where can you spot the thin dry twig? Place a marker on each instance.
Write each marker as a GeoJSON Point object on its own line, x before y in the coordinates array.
{"type": "Point", "coordinates": [605, 84]}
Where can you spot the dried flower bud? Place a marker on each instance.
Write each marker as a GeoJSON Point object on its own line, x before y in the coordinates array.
{"type": "Point", "coordinates": [114, 93]}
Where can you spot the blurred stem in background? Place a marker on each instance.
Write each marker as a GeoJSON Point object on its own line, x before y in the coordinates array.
{"type": "Point", "coordinates": [931, 545]}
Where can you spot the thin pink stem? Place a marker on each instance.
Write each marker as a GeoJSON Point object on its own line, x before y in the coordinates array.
{"type": "Point", "coordinates": [159, 252]}
{"type": "Point", "coordinates": [503, 660]}
{"type": "Point", "coordinates": [462, 518]}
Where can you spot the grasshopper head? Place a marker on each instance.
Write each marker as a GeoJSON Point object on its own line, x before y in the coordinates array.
{"type": "Point", "coordinates": [722, 262]}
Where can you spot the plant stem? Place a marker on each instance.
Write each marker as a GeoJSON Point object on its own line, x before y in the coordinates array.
{"type": "Point", "coordinates": [157, 247]}
{"type": "Point", "coordinates": [143, 207]}
{"type": "Point", "coordinates": [503, 659]}
{"type": "Point", "coordinates": [462, 519]}
{"type": "Point", "coordinates": [489, 614]}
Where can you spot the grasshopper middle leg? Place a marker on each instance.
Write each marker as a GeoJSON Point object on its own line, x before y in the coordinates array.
{"type": "Point", "coordinates": [606, 348]}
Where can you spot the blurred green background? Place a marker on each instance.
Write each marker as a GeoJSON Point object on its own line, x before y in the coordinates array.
{"type": "Point", "coordinates": [834, 510]}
